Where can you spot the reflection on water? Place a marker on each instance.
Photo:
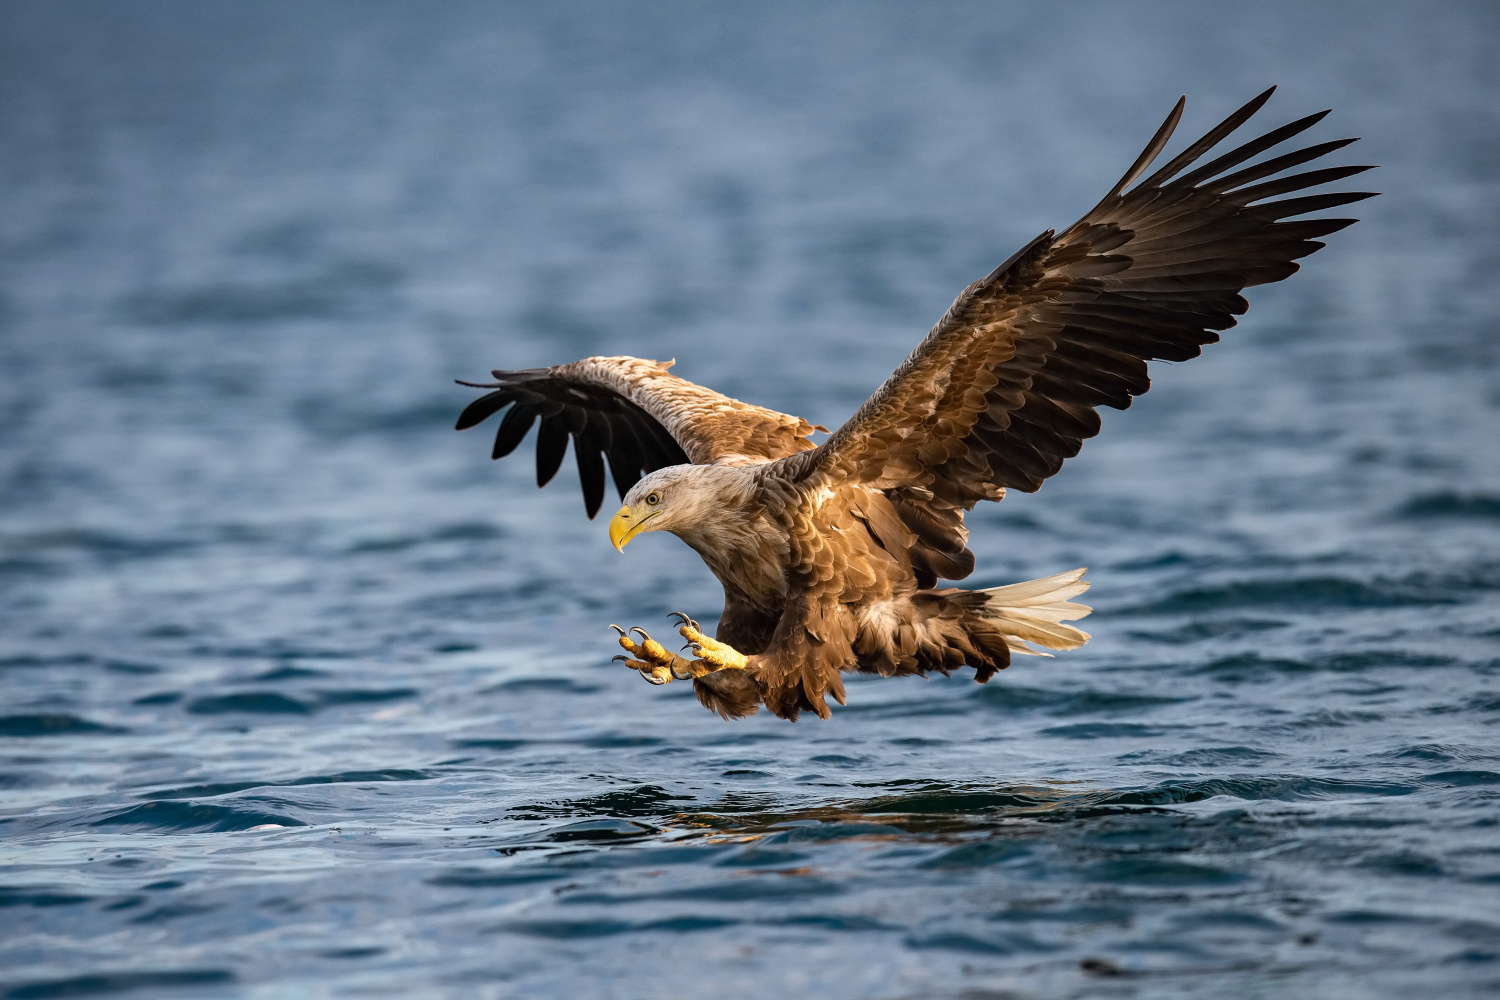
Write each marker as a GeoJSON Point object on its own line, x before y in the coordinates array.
{"type": "Point", "coordinates": [300, 695]}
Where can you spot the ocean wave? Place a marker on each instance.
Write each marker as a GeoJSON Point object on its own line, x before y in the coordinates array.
{"type": "Point", "coordinates": [1217, 756]}
{"type": "Point", "coordinates": [930, 806]}
{"type": "Point", "coordinates": [1008, 944]}
{"type": "Point", "coordinates": [1243, 667]}
{"type": "Point", "coordinates": [104, 983]}
{"type": "Point", "coordinates": [1201, 630]}
{"type": "Point", "coordinates": [213, 790]}
{"type": "Point", "coordinates": [1462, 779]}
{"type": "Point", "coordinates": [1478, 506]}
{"type": "Point", "coordinates": [578, 929]}
{"type": "Point", "coordinates": [641, 801]}
{"type": "Point", "coordinates": [1293, 593]}
{"type": "Point", "coordinates": [484, 878]}
{"type": "Point", "coordinates": [1161, 873]}
{"type": "Point", "coordinates": [53, 724]}
{"type": "Point", "coordinates": [340, 291]}
{"type": "Point", "coordinates": [1000, 694]}
{"type": "Point", "coordinates": [1106, 730]}
{"type": "Point", "coordinates": [252, 702]}
{"type": "Point", "coordinates": [26, 895]}
{"type": "Point", "coordinates": [190, 817]}
{"type": "Point", "coordinates": [362, 696]}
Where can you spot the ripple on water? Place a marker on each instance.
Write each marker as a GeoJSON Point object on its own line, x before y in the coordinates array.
{"type": "Point", "coordinates": [1199, 631]}
{"type": "Point", "coordinates": [937, 806]}
{"type": "Point", "coordinates": [31, 661]}
{"type": "Point", "coordinates": [361, 696]}
{"type": "Point", "coordinates": [53, 724]}
{"type": "Point", "coordinates": [229, 787]}
{"type": "Point", "coordinates": [569, 930]}
{"type": "Point", "coordinates": [1440, 752]}
{"type": "Point", "coordinates": [250, 702]}
{"type": "Point", "coordinates": [1106, 730]}
{"type": "Point", "coordinates": [1301, 593]}
{"type": "Point", "coordinates": [286, 672]}
{"type": "Point", "coordinates": [1411, 863]}
{"type": "Point", "coordinates": [1006, 944]}
{"type": "Point", "coordinates": [1244, 667]}
{"type": "Point", "coordinates": [1473, 506]}
{"type": "Point", "coordinates": [189, 817]}
{"type": "Point", "coordinates": [483, 878]}
{"type": "Point", "coordinates": [1063, 702]}
{"type": "Point", "coordinates": [1462, 779]}
{"type": "Point", "coordinates": [1254, 788]}
{"type": "Point", "coordinates": [598, 831]}
{"type": "Point", "coordinates": [550, 685]}
{"type": "Point", "coordinates": [1217, 756]}
{"type": "Point", "coordinates": [640, 801]}
{"type": "Point", "coordinates": [1066, 915]}
{"type": "Point", "coordinates": [983, 854]}
{"type": "Point", "coordinates": [21, 895]}
{"type": "Point", "coordinates": [1157, 872]}
{"type": "Point", "coordinates": [276, 703]}
{"type": "Point", "coordinates": [102, 984]}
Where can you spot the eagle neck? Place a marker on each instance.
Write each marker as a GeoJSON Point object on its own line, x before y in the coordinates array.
{"type": "Point", "coordinates": [741, 545]}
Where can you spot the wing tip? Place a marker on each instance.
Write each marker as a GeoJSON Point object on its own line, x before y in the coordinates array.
{"type": "Point", "coordinates": [1151, 152]}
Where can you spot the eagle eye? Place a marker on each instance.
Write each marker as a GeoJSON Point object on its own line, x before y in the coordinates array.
{"type": "Point", "coordinates": [653, 498]}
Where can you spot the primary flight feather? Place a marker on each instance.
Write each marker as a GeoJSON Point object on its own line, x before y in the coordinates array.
{"type": "Point", "coordinates": [830, 554]}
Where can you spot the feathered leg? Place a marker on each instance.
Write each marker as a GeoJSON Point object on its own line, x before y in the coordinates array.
{"type": "Point", "coordinates": [720, 654]}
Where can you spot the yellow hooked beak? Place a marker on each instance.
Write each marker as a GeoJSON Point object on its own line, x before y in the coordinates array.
{"type": "Point", "coordinates": [625, 525]}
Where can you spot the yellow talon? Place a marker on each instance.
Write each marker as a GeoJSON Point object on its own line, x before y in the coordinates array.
{"type": "Point", "coordinates": [654, 650]}
{"type": "Point", "coordinates": [660, 665]}
{"type": "Point", "coordinates": [654, 661]}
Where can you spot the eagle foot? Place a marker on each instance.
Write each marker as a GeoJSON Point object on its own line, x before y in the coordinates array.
{"type": "Point", "coordinates": [718, 655]}
{"type": "Point", "coordinates": [655, 662]}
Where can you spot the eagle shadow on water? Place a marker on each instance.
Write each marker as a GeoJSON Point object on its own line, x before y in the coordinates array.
{"type": "Point", "coordinates": [830, 554]}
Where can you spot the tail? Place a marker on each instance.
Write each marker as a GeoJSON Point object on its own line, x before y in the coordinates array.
{"type": "Point", "coordinates": [1034, 611]}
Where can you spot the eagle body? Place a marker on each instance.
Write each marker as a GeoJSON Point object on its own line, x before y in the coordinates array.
{"type": "Point", "coordinates": [830, 554]}
{"type": "Point", "coordinates": [835, 568]}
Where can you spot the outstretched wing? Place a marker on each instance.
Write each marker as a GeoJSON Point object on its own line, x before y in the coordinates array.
{"type": "Point", "coordinates": [1003, 389]}
{"type": "Point", "coordinates": [633, 411]}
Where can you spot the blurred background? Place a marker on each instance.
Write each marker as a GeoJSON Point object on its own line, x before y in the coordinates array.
{"type": "Point", "coordinates": [302, 695]}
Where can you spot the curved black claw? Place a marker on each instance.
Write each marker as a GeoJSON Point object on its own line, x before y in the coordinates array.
{"type": "Point", "coordinates": [617, 659]}
{"type": "Point", "coordinates": [617, 629]}
{"type": "Point", "coordinates": [646, 637]}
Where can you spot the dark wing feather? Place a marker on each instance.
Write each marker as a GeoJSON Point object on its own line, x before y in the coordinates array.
{"type": "Point", "coordinates": [1002, 391]}
{"type": "Point", "coordinates": [551, 444]}
{"type": "Point", "coordinates": [513, 427]}
{"type": "Point", "coordinates": [635, 413]}
{"type": "Point", "coordinates": [590, 474]}
{"type": "Point", "coordinates": [626, 457]}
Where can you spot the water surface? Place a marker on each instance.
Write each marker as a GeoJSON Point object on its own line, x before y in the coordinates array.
{"type": "Point", "coordinates": [302, 696]}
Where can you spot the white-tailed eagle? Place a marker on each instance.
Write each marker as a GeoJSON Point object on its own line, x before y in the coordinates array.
{"type": "Point", "coordinates": [830, 554]}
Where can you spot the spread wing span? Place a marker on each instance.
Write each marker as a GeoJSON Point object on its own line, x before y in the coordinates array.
{"type": "Point", "coordinates": [1003, 389]}
{"type": "Point", "coordinates": [633, 411]}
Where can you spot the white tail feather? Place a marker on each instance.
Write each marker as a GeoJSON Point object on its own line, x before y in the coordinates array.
{"type": "Point", "coordinates": [1034, 611]}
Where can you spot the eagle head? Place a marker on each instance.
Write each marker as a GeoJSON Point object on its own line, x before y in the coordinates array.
{"type": "Point", "coordinates": [683, 499]}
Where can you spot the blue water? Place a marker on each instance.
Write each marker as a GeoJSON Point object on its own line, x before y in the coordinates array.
{"type": "Point", "coordinates": [301, 696]}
